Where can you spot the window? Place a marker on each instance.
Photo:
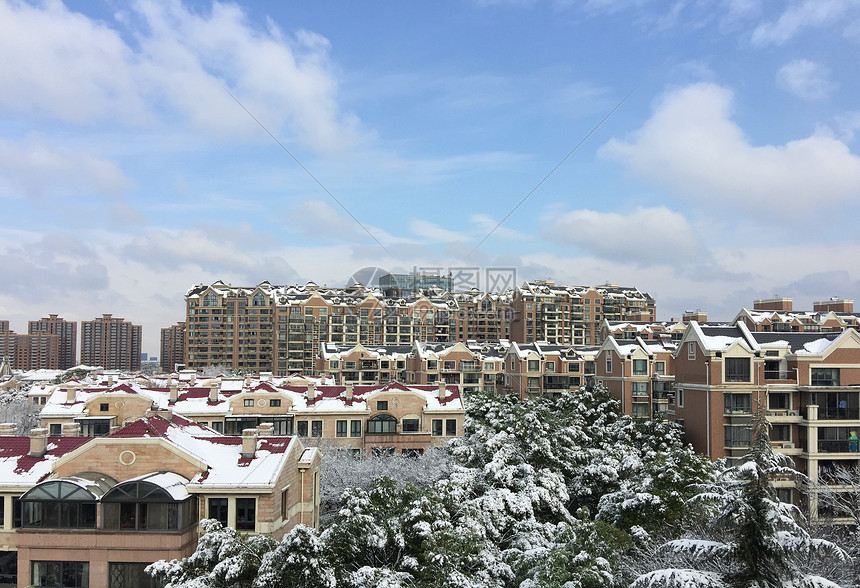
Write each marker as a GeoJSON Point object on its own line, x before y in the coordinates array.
{"type": "Point", "coordinates": [737, 369]}
{"type": "Point", "coordinates": [248, 402]}
{"type": "Point", "coordinates": [825, 377]}
{"type": "Point", "coordinates": [132, 506]}
{"type": "Point", "coordinates": [640, 367]}
{"type": "Point", "coordinates": [355, 428]}
{"type": "Point", "coordinates": [660, 368]}
{"type": "Point", "coordinates": [217, 426]}
{"type": "Point", "coordinates": [95, 427]}
{"type": "Point", "coordinates": [55, 429]}
{"type": "Point", "coordinates": [332, 365]}
{"type": "Point", "coordinates": [59, 504]}
{"type": "Point", "coordinates": [275, 402]}
{"type": "Point", "coordinates": [691, 350]}
{"type": "Point", "coordinates": [640, 388]}
{"type": "Point", "coordinates": [285, 503]}
{"type": "Point", "coordinates": [780, 433]}
{"type": "Point", "coordinates": [340, 428]}
{"type": "Point", "coordinates": [258, 300]}
{"type": "Point", "coordinates": [410, 425]}
{"type": "Point", "coordinates": [104, 406]}
{"type": "Point", "coordinates": [777, 400]}
{"type": "Point", "coordinates": [534, 365]}
{"type": "Point", "coordinates": [302, 428]}
{"type": "Point", "coordinates": [608, 363]}
{"type": "Point", "coordinates": [450, 427]}
{"type": "Point", "coordinates": [431, 364]}
{"type": "Point", "coordinates": [679, 398]}
{"type": "Point", "coordinates": [129, 575]}
{"type": "Point", "coordinates": [382, 423]}
{"type": "Point", "coordinates": [211, 299]}
{"type": "Point", "coordinates": [437, 427]}
{"type": "Point", "coordinates": [382, 405]}
{"type": "Point", "coordinates": [218, 510]}
{"type": "Point", "coordinates": [550, 367]}
{"type": "Point", "coordinates": [449, 365]}
{"type": "Point", "coordinates": [316, 428]}
{"type": "Point", "coordinates": [65, 574]}
{"type": "Point", "coordinates": [245, 514]}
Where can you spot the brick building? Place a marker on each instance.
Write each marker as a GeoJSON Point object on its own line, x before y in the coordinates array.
{"type": "Point", "coordinates": [111, 342]}
{"type": "Point", "coordinates": [67, 333]}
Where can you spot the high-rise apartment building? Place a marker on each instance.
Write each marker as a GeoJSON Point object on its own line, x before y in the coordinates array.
{"type": "Point", "coordinates": [66, 331]}
{"type": "Point", "coordinates": [412, 284]}
{"type": "Point", "coordinates": [110, 342]}
{"type": "Point", "coordinates": [172, 346]}
{"type": "Point", "coordinates": [29, 352]}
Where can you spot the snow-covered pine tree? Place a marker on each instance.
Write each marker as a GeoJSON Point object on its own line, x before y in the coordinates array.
{"type": "Point", "coordinates": [755, 541]}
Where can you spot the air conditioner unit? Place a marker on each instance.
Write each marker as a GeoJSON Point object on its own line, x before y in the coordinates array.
{"type": "Point", "coordinates": [787, 445]}
{"type": "Point", "coordinates": [792, 413]}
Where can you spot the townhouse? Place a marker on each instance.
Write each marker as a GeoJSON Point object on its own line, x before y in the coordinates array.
{"type": "Point", "coordinates": [95, 511]}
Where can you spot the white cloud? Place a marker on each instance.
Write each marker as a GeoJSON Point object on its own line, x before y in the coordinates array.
{"type": "Point", "coordinates": [645, 235]}
{"type": "Point", "coordinates": [806, 79]}
{"type": "Point", "coordinates": [798, 16]}
{"type": "Point", "coordinates": [435, 233]}
{"type": "Point", "coordinates": [33, 169]}
{"type": "Point", "coordinates": [80, 70]}
{"type": "Point", "coordinates": [692, 146]}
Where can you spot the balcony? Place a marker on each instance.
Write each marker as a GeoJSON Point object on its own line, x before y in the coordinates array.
{"type": "Point", "coordinates": [831, 413]}
{"type": "Point", "coordinates": [778, 375]}
{"type": "Point", "coordinates": [837, 446]}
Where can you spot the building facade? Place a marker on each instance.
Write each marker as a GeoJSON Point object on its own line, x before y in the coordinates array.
{"type": "Point", "coordinates": [67, 333]}
{"type": "Point", "coordinates": [111, 342]}
{"type": "Point", "coordinates": [172, 347]}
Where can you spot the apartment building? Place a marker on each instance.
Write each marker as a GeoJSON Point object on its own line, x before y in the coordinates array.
{"type": "Point", "coordinates": [630, 330]}
{"type": "Point", "coordinates": [481, 316]}
{"type": "Point", "coordinates": [111, 342]}
{"type": "Point", "coordinates": [531, 369]}
{"type": "Point", "coordinates": [544, 311]}
{"type": "Point", "coordinates": [400, 285]}
{"type": "Point", "coordinates": [357, 364]}
{"type": "Point", "coordinates": [67, 333]}
{"type": "Point", "coordinates": [95, 511]}
{"type": "Point", "coordinates": [390, 417]}
{"type": "Point", "coordinates": [639, 373]}
{"type": "Point", "coordinates": [172, 347]}
{"type": "Point", "coordinates": [473, 366]}
{"type": "Point", "coordinates": [809, 384]}
{"type": "Point", "coordinates": [776, 315]}
{"type": "Point", "coordinates": [38, 351]}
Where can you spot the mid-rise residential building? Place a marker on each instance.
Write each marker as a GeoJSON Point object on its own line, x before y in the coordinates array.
{"type": "Point", "coordinates": [67, 333]}
{"type": "Point", "coordinates": [531, 369]}
{"type": "Point", "coordinates": [172, 347]}
{"type": "Point", "coordinates": [807, 382]}
{"type": "Point", "coordinates": [111, 342]}
{"type": "Point", "coordinates": [544, 311]}
{"type": "Point", "coordinates": [95, 511]}
{"type": "Point", "coordinates": [284, 329]}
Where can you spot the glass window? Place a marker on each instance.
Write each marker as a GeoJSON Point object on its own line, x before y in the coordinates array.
{"type": "Point", "coordinates": [246, 514]}
{"type": "Point", "coordinates": [825, 376]}
{"type": "Point", "coordinates": [340, 428]}
{"type": "Point", "coordinates": [437, 427]}
{"type": "Point", "coordinates": [129, 575]}
{"type": "Point", "coordinates": [275, 402]}
{"type": "Point", "coordinates": [302, 428]}
{"type": "Point", "coordinates": [382, 405]}
{"type": "Point", "coordinates": [382, 423]}
{"type": "Point", "coordinates": [355, 428]}
{"type": "Point", "coordinates": [410, 425]}
{"type": "Point", "coordinates": [218, 510]}
{"type": "Point", "coordinates": [534, 365]}
{"type": "Point", "coordinates": [104, 406]}
{"type": "Point", "coordinates": [248, 402]}
{"type": "Point", "coordinates": [316, 428]}
{"type": "Point", "coordinates": [660, 367]}
{"type": "Point", "coordinates": [640, 367]}
{"type": "Point", "coordinates": [450, 427]}
{"type": "Point", "coordinates": [67, 574]}
{"type": "Point", "coordinates": [640, 388]}
{"type": "Point", "coordinates": [737, 369]}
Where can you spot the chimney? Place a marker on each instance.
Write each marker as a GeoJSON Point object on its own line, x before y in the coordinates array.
{"type": "Point", "coordinates": [8, 429]}
{"type": "Point", "coordinates": [249, 443]}
{"type": "Point", "coordinates": [174, 393]}
{"type": "Point", "coordinates": [169, 380]}
{"type": "Point", "coordinates": [213, 391]}
{"type": "Point", "coordinates": [442, 390]}
{"type": "Point", "coordinates": [265, 376]}
{"type": "Point", "coordinates": [38, 442]}
{"type": "Point", "coordinates": [110, 380]}
{"type": "Point", "coordinates": [70, 394]}
{"type": "Point", "coordinates": [265, 429]}
{"type": "Point", "coordinates": [71, 430]}
{"type": "Point", "coordinates": [312, 392]}
{"type": "Point", "coordinates": [193, 378]}
{"type": "Point", "coordinates": [349, 392]}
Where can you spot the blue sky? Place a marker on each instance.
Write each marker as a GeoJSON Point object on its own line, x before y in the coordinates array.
{"type": "Point", "coordinates": [129, 174]}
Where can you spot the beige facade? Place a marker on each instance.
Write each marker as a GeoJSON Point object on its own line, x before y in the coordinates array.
{"type": "Point", "coordinates": [111, 342]}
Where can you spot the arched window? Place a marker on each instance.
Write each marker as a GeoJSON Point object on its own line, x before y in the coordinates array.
{"type": "Point", "coordinates": [258, 300]}
{"type": "Point", "coordinates": [59, 504]}
{"type": "Point", "coordinates": [145, 506]}
{"type": "Point", "coordinates": [211, 299]}
{"type": "Point", "coordinates": [382, 423]}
